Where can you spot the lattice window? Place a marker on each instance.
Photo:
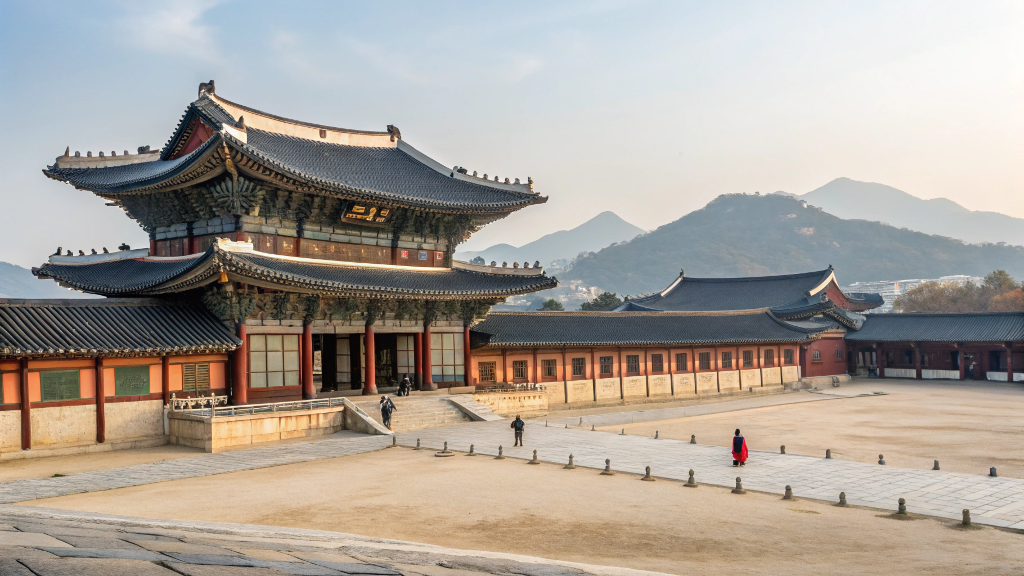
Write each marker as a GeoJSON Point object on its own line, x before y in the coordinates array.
{"type": "Point", "coordinates": [579, 366]}
{"type": "Point", "coordinates": [726, 359]}
{"type": "Point", "coordinates": [488, 371]}
{"type": "Point", "coordinates": [406, 356]}
{"type": "Point", "coordinates": [57, 385]}
{"type": "Point", "coordinates": [549, 368]}
{"type": "Point", "coordinates": [446, 357]}
{"type": "Point", "coordinates": [273, 360]}
{"type": "Point", "coordinates": [787, 356]}
{"type": "Point", "coordinates": [816, 356]}
{"type": "Point", "coordinates": [607, 362]}
{"type": "Point", "coordinates": [839, 354]}
{"type": "Point", "coordinates": [131, 380]}
{"type": "Point", "coordinates": [195, 377]}
{"type": "Point", "coordinates": [519, 369]}
{"type": "Point", "coordinates": [769, 357]}
{"type": "Point", "coordinates": [343, 370]}
{"type": "Point", "coordinates": [657, 363]}
{"type": "Point", "coordinates": [681, 362]}
{"type": "Point", "coordinates": [704, 359]}
{"type": "Point", "coordinates": [633, 364]}
{"type": "Point", "coordinates": [748, 358]}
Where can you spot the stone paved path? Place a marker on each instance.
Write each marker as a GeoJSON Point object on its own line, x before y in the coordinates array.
{"type": "Point", "coordinates": [343, 443]}
{"type": "Point", "coordinates": [994, 501]}
{"type": "Point", "coordinates": [43, 542]}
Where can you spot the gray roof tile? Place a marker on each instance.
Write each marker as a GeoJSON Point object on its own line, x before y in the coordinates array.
{"type": "Point", "coordinates": [982, 327]}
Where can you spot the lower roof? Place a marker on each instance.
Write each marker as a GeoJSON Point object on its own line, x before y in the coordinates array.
{"type": "Point", "coordinates": [544, 329]}
{"type": "Point", "coordinates": [109, 327]}
{"type": "Point", "coordinates": [151, 276]}
{"type": "Point", "coordinates": [952, 328]}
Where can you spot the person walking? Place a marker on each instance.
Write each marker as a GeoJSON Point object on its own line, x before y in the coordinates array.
{"type": "Point", "coordinates": [739, 450]}
{"type": "Point", "coordinates": [404, 386]}
{"type": "Point", "coordinates": [386, 408]}
{"type": "Point", "coordinates": [518, 426]}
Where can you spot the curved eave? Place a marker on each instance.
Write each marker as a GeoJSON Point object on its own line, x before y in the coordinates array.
{"type": "Point", "coordinates": [650, 343]}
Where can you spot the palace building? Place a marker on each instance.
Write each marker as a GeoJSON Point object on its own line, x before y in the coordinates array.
{"type": "Point", "coordinates": [293, 237]}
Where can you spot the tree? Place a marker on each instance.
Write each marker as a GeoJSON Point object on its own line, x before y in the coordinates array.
{"type": "Point", "coordinates": [998, 292]}
{"type": "Point", "coordinates": [551, 305]}
{"type": "Point", "coordinates": [604, 302]}
{"type": "Point", "coordinates": [1012, 301]}
{"type": "Point", "coordinates": [478, 260]}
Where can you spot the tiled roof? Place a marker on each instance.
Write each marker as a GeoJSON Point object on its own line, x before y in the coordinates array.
{"type": "Point", "coordinates": [158, 276]}
{"type": "Point", "coordinates": [983, 327]}
{"type": "Point", "coordinates": [636, 329]}
{"type": "Point", "coordinates": [706, 294]}
{"type": "Point", "coordinates": [114, 327]}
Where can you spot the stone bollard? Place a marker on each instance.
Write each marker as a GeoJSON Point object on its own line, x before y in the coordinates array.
{"type": "Point", "coordinates": [842, 500]}
{"type": "Point", "coordinates": [545, 423]}
{"type": "Point", "coordinates": [570, 465]}
{"type": "Point", "coordinates": [647, 475]}
{"type": "Point", "coordinates": [471, 451]}
{"type": "Point", "coordinates": [789, 493]}
{"type": "Point", "coordinates": [566, 426]}
{"type": "Point", "coordinates": [828, 454]}
{"type": "Point", "coordinates": [655, 434]}
{"type": "Point", "coordinates": [739, 487]}
{"type": "Point", "coordinates": [902, 507]}
{"type": "Point", "coordinates": [417, 445]}
{"type": "Point", "coordinates": [881, 460]}
{"type": "Point", "coordinates": [936, 465]}
{"type": "Point", "coordinates": [967, 518]}
{"type": "Point", "coordinates": [690, 482]}
{"type": "Point", "coordinates": [445, 452]}
{"type": "Point", "coordinates": [782, 449]}
{"type": "Point", "coordinates": [693, 438]}
{"type": "Point", "coordinates": [593, 428]}
{"type": "Point", "coordinates": [607, 468]}
{"type": "Point", "coordinates": [581, 421]}
{"type": "Point", "coordinates": [992, 472]}
{"type": "Point", "coordinates": [500, 455]}
{"type": "Point", "coordinates": [623, 433]}
{"type": "Point", "coordinates": [534, 461]}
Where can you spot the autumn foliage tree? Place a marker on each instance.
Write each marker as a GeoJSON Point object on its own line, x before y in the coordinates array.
{"type": "Point", "coordinates": [998, 292]}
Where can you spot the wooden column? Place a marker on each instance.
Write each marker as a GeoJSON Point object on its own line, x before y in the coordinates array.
{"type": "Point", "coordinates": [428, 378]}
{"type": "Point", "coordinates": [593, 372]}
{"type": "Point", "coordinates": [504, 367]}
{"type": "Point", "coordinates": [165, 378]}
{"type": "Point", "coordinates": [465, 356]}
{"type": "Point", "coordinates": [536, 368]}
{"type": "Point", "coordinates": [565, 377]}
{"type": "Point", "coordinates": [239, 373]}
{"type": "Point", "coordinates": [647, 374]}
{"type": "Point", "coordinates": [960, 352]}
{"type": "Point", "coordinates": [1009, 361]}
{"type": "Point", "coordinates": [101, 400]}
{"type": "Point", "coordinates": [622, 393]}
{"type": "Point", "coordinates": [308, 391]}
{"type": "Point", "coordinates": [917, 360]}
{"type": "Point", "coordinates": [418, 360]}
{"type": "Point", "coordinates": [26, 408]}
{"type": "Point", "coordinates": [880, 353]}
{"type": "Point", "coordinates": [370, 359]}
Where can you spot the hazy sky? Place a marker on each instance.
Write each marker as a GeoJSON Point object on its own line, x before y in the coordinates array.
{"type": "Point", "coordinates": [649, 109]}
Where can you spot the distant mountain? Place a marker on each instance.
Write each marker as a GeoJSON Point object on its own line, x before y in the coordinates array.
{"type": "Point", "coordinates": [754, 235]}
{"type": "Point", "coordinates": [602, 230]}
{"type": "Point", "coordinates": [18, 282]}
{"type": "Point", "coordinates": [851, 199]}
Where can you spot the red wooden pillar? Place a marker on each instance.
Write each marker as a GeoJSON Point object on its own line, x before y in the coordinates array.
{"type": "Point", "coordinates": [370, 359]}
{"type": "Point", "coordinates": [101, 399]}
{"type": "Point", "coordinates": [418, 360]}
{"type": "Point", "coordinates": [428, 378]}
{"type": "Point", "coordinates": [1009, 361]}
{"type": "Point", "coordinates": [622, 391]}
{"type": "Point", "coordinates": [165, 378]}
{"type": "Point", "coordinates": [593, 372]}
{"type": "Point", "coordinates": [917, 360]}
{"type": "Point", "coordinates": [647, 375]}
{"type": "Point", "coordinates": [536, 368]}
{"type": "Point", "coordinates": [26, 408]}
{"type": "Point", "coordinates": [239, 374]}
{"type": "Point", "coordinates": [960, 353]}
{"type": "Point", "coordinates": [152, 247]}
{"type": "Point", "coordinates": [308, 391]}
{"type": "Point", "coordinates": [465, 356]}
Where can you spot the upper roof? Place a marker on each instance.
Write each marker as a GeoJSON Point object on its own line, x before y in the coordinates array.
{"type": "Point", "coordinates": [979, 327]}
{"type": "Point", "coordinates": [360, 165]}
{"type": "Point", "coordinates": [531, 329]}
{"type": "Point", "coordinates": [111, 327]}
{"type": "Point", "coordinates": [747, 293]}
{"type": "Point", "coordinates": [115, 276]}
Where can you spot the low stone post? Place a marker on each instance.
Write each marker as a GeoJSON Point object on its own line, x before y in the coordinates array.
{"type": "Point", "coordinates": [647, 475]}
{"type": "Point", "coordinates": [693, 438]}
{"type": "Point", "coordinates": [789, 493]}
{"type": "Point", "coordinates": [967, 518]}
{"type": "Point", "coordinates": [690, 482]}
{"type": "Point", "coordinates": [842, 500]}
{"type": "Point", "coordinates": [739, 487]}
{"type": "Point", "coordinates": [417, 444]}
{"type": "Point", "coordinates": [992, 472]}
{"type": "Point", "coordinates": [902, 509]}
{"type": "Point", "coordinates": [828, 454]}
{"type": "Point", "coordinates": [570, 465]}
{"type": "Point", "coordinates": [936, 465]}
{"type": "Point", "coordinates": [471, 452]}
{"type": "Point", "coordinates": [534, 461]}
{"type": "Point", "coordinates": [782, 449]}
{"type": "Point", "coordinates": [500, 455]}
{"type": "Point", "coordinates": [881, 460]}
{"type": "Point", "coordinates": [607, 468]}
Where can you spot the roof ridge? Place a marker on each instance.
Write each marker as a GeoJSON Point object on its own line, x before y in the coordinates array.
{"type": "Point", "coordinates": [652, 313]}
{"type": "Point", "coordinates": [216, 97]}
{"type": "Point", "coordinates": [753, 278]}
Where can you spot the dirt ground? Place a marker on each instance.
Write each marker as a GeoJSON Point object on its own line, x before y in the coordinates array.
{"type": "Point", "coordinates": [46, 467]}
{"type": "Point", "coordinates": [577, 515]}
{"type": "Point", "coordinates": [967, 427]}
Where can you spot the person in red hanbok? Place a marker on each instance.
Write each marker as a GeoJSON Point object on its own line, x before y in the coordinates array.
{"type": "Point", "coordinates": [739, 450]}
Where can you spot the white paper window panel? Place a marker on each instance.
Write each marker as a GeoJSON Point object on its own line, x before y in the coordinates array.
{"type": "Point", "coordinates": [275, 361]}
{"type": "Point", "coordinates": [405, 360]}
{"type": "Point", "coordinates": [274, 342]}
{"type": "Point", "coordinates": [291, 360]}
{"type": "Point", "coordinates": [291, 341]}
{"type": "Point", "coordinates": [275, 379]}
{"type": "Point", "coordinates": [257, 343]}
{"type": "Point", "coordinates": [258, 380]}
{"type": "Point", "coordinates": [291, 378]}
{"type": "Point", "coordinates": [459, 357]}
{"type": "Point", "coordinates": [448, 341]}
{"type": "Point", "coordinates": [435, 357]}
{"type": "Point", "coordinates": [258, 362]}
{"type": "Point", "coordinates": [448, 357]}
{"type": "Point", "coordinates": [435, 341]}
{"type": "Point", "coordinates": [344, 363]}
{"type": "Point", "coordinates": [406, 342]}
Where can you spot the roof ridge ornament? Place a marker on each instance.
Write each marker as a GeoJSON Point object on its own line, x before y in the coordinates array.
{"type": "Point", "coordinates": [394, 132]}
{"type": "Point", "coordinates": [207, 88]}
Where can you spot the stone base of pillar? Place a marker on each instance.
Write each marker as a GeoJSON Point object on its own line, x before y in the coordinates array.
{"type": "Point", "coordinates": [428, 387]}
{"type": "Point", "coordinates": [370, 390]}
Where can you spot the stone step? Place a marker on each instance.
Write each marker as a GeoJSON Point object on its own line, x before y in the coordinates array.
{"type": "Point", "coordinates": [417, 413]}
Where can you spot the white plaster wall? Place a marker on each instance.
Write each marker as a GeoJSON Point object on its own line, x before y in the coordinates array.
{"type": "Point", "coordinates": [771, 376]}
{"type": "Point", "coordinates": [994, 376]}
{"type": "Point", "coordinates": [900, 373]}
{"type": "Point", "coordinates": [707, 383]}
{"type": "Point", "coordinates": [556, 392]}
{"type": "Point", "coordinates": [634, 387]}
{"type": "Point", "coordinates": [659, 385]}
{"type": "Point", "coordinates": [728, 381]}
{"type": "Point", "coordinates": [10, 430]}
{"type": "Point", "coordinates": [751, 377]}
{"type": "Point", "coordinates": [682, 384]}
{"type": "Point", "coordinates": [63, 425]}
{"type": "Point", "coordinates": [608, 389]}
{"type": "Point", "coordinates": [790, 374]}
{"type": "Point", "coordinates": [134, 419]}
{"type": "Point", "coordinates": [580, 391]}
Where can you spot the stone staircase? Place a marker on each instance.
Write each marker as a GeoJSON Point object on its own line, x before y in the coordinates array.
{"type": "Point", "coordinates": [416, 412]}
